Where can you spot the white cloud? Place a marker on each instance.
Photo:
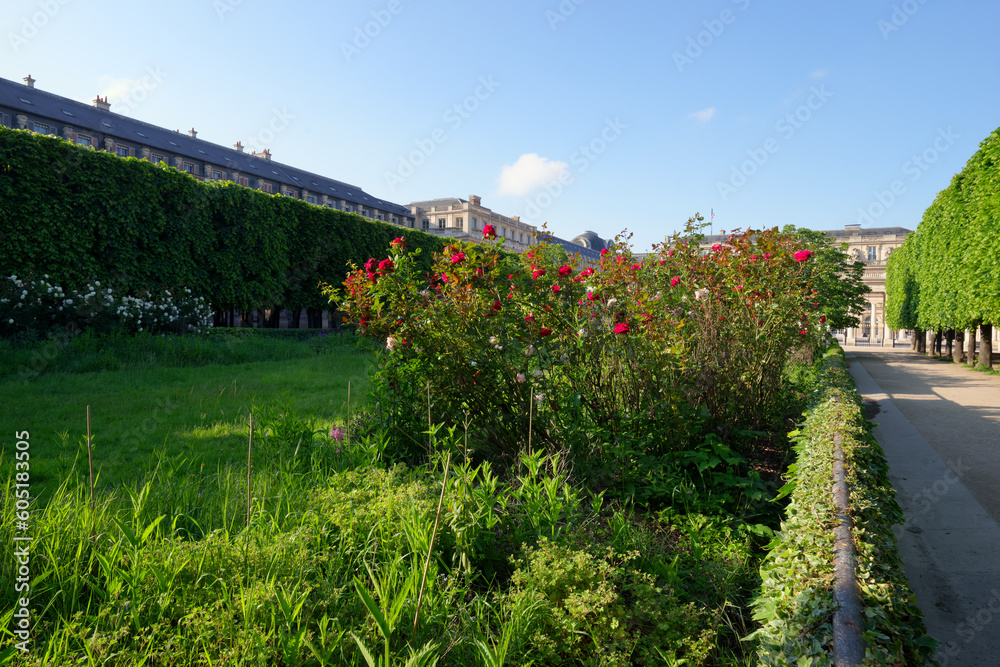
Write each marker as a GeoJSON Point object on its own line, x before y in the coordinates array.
{"type": "Point", "coordinates": [529, 172]}
{"type": "Point", "coordinates": [819, 74]}
{"type": "Point", "coordinates": [118, 89]}
{"type": "Point", "coordinates": [704, 115]}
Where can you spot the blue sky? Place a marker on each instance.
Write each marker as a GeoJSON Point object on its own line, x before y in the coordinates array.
{"type": "Point", "coordinates": [585, 114]}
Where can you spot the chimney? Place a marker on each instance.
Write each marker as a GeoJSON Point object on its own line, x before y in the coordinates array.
{"type": "Point", "coordinates": [515, 218]}
{"type": "Point", "coordinates": [29, 82]}
{"type": "Point", "coordinates": [853, 227]}
{"type": "Point", "coordinates": [474, 200]}
{"type": "Point", "coordinates": [266, 154]}
{"type": "Point", "coordinates": [238, 146]}
{"type": "Point", "coordinates": [102, 104]}
{"type": "Point", "coordinates": [192, 133]}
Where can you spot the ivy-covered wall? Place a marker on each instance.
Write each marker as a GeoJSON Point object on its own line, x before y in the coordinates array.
{"type": "Point", "coordinates": [77, 214]}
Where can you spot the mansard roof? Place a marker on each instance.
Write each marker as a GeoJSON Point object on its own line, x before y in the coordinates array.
{"type": "Point", "coordinates": [123, 129]}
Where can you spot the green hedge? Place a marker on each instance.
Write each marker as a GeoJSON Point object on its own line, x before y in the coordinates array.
{"type": "Point", "coordinates": [946, 273]}
{"type": "Point", "coordinates": [795, 606]}
{"type": "Point", "coordinates": [78, 214]}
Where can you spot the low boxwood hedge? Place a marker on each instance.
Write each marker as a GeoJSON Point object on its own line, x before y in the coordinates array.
{"type": "Point", "coordinates": [796, 606]}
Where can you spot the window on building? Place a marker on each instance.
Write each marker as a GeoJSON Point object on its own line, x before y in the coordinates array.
{"type": "Point", "coordinates": [425, 224]}
{"type": "Point", "coordinates": [267, 187]}
{"type": "Point", "coordinates": [440, 223]}
{"type": "Point", "coordinates": [217, 175]}
{"type": "Point", "coordinates": [84, 140]}
{"type": "Point", "coordinates": [5, 119]}
{"type": "Point", "coordinates": [156, 159]}
{"type": "Point", "coordinates": [504, 230]}
{"type": "Point", "coordinates": [245, 181]}
{"type": "Point", "coordinates": [40, 128]}
{"type": "Point", "coordinates": [474, 225]}
{"type": "Point", "coordinates": [394, 220]}
{"type": "Point", "coordinates": [311, 199]}
{"type": "Point", "coordinates": [458, 222]}
{"type": "Point", "coordinates": [121, 151]}
{"type": "Point", "coordinates": [520, 237]}
{"type": "Point", "coordinates": [872, 252]}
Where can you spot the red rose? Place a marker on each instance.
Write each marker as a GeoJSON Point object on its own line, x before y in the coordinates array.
{"type": "Point", "coordinates": [398, 242]}
{"type": "Point", "coordinates": [458, 257]}
{"type": "Point", "coordinates": [386, 266]}
{"type": "Point", "coordinates": [803, 255]}
{"type": "Point", "coordinates": [621, 328]}
{"type": "Point", "coordinates": [489, 232]}
{"type": "Point", "coordinates": [497, 305]}
{"type": "Point", "coordinates": [544, 332]}
{"type": "Point", "coordinates": [555, 289]}
{"type": "Point", "coordinates": [565, 270]}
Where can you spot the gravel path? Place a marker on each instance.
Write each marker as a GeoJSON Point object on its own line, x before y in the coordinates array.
{"type": "Point", "coordinates": [939, 425]}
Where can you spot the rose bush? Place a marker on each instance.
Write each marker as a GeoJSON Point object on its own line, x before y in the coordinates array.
{"type": "Point", "coordinates": [629, 353]}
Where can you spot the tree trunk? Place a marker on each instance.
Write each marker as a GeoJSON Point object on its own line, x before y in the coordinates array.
{"type": "Point", "coordinates": [949, 337]}
{"type": "Point", "coordinates": [921, 337]}
{"type": "Point", "coordinates": [970, 357]}
{"type": "Point", "coordinates": [915, 340]}
{"type": "Point", "coordinates": [294, 317]}
{"type": "Point", "coordinates": [958, 349]}
{"type": "Point", "coordinates": [986, 347]}
{"type": "Point", "coordinates": [246, 319]}
{"type": "Point", "coordinates": [315, 318]}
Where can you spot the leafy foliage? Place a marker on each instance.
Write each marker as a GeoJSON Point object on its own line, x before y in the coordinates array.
{"type": "Point", "coordinates": [945, 275]}
{"type": "Point", "coordinates": [82, 216]}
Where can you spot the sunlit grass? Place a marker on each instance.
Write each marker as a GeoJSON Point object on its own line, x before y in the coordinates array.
{"type": "Point", "coordinates": [198, 411]}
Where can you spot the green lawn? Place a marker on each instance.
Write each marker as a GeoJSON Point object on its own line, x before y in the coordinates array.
{"type": "Point", "coordinates": [200, 412]}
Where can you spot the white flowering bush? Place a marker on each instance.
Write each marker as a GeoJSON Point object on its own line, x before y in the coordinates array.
{"type": "Point", "coordinates": [39, 306]}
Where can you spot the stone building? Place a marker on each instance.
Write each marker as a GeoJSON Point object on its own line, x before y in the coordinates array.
{"type": "Point", "coordinates": [25, 107]}
{"type": "Point", "coordinates": [465, 218]}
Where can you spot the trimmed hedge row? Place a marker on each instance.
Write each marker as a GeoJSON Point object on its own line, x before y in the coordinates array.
{"type": "Point", "coordinates": [944, 276]}
{"type": "Point", "coordinates": [795, 606]}
{"type": "Point", "coordinates": [81, 215]}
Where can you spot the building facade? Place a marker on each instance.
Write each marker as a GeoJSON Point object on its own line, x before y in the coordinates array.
{"type": "Point", "coordinates": [24, 107]}
{"type": "Point", "coordinates": [465, 218]}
